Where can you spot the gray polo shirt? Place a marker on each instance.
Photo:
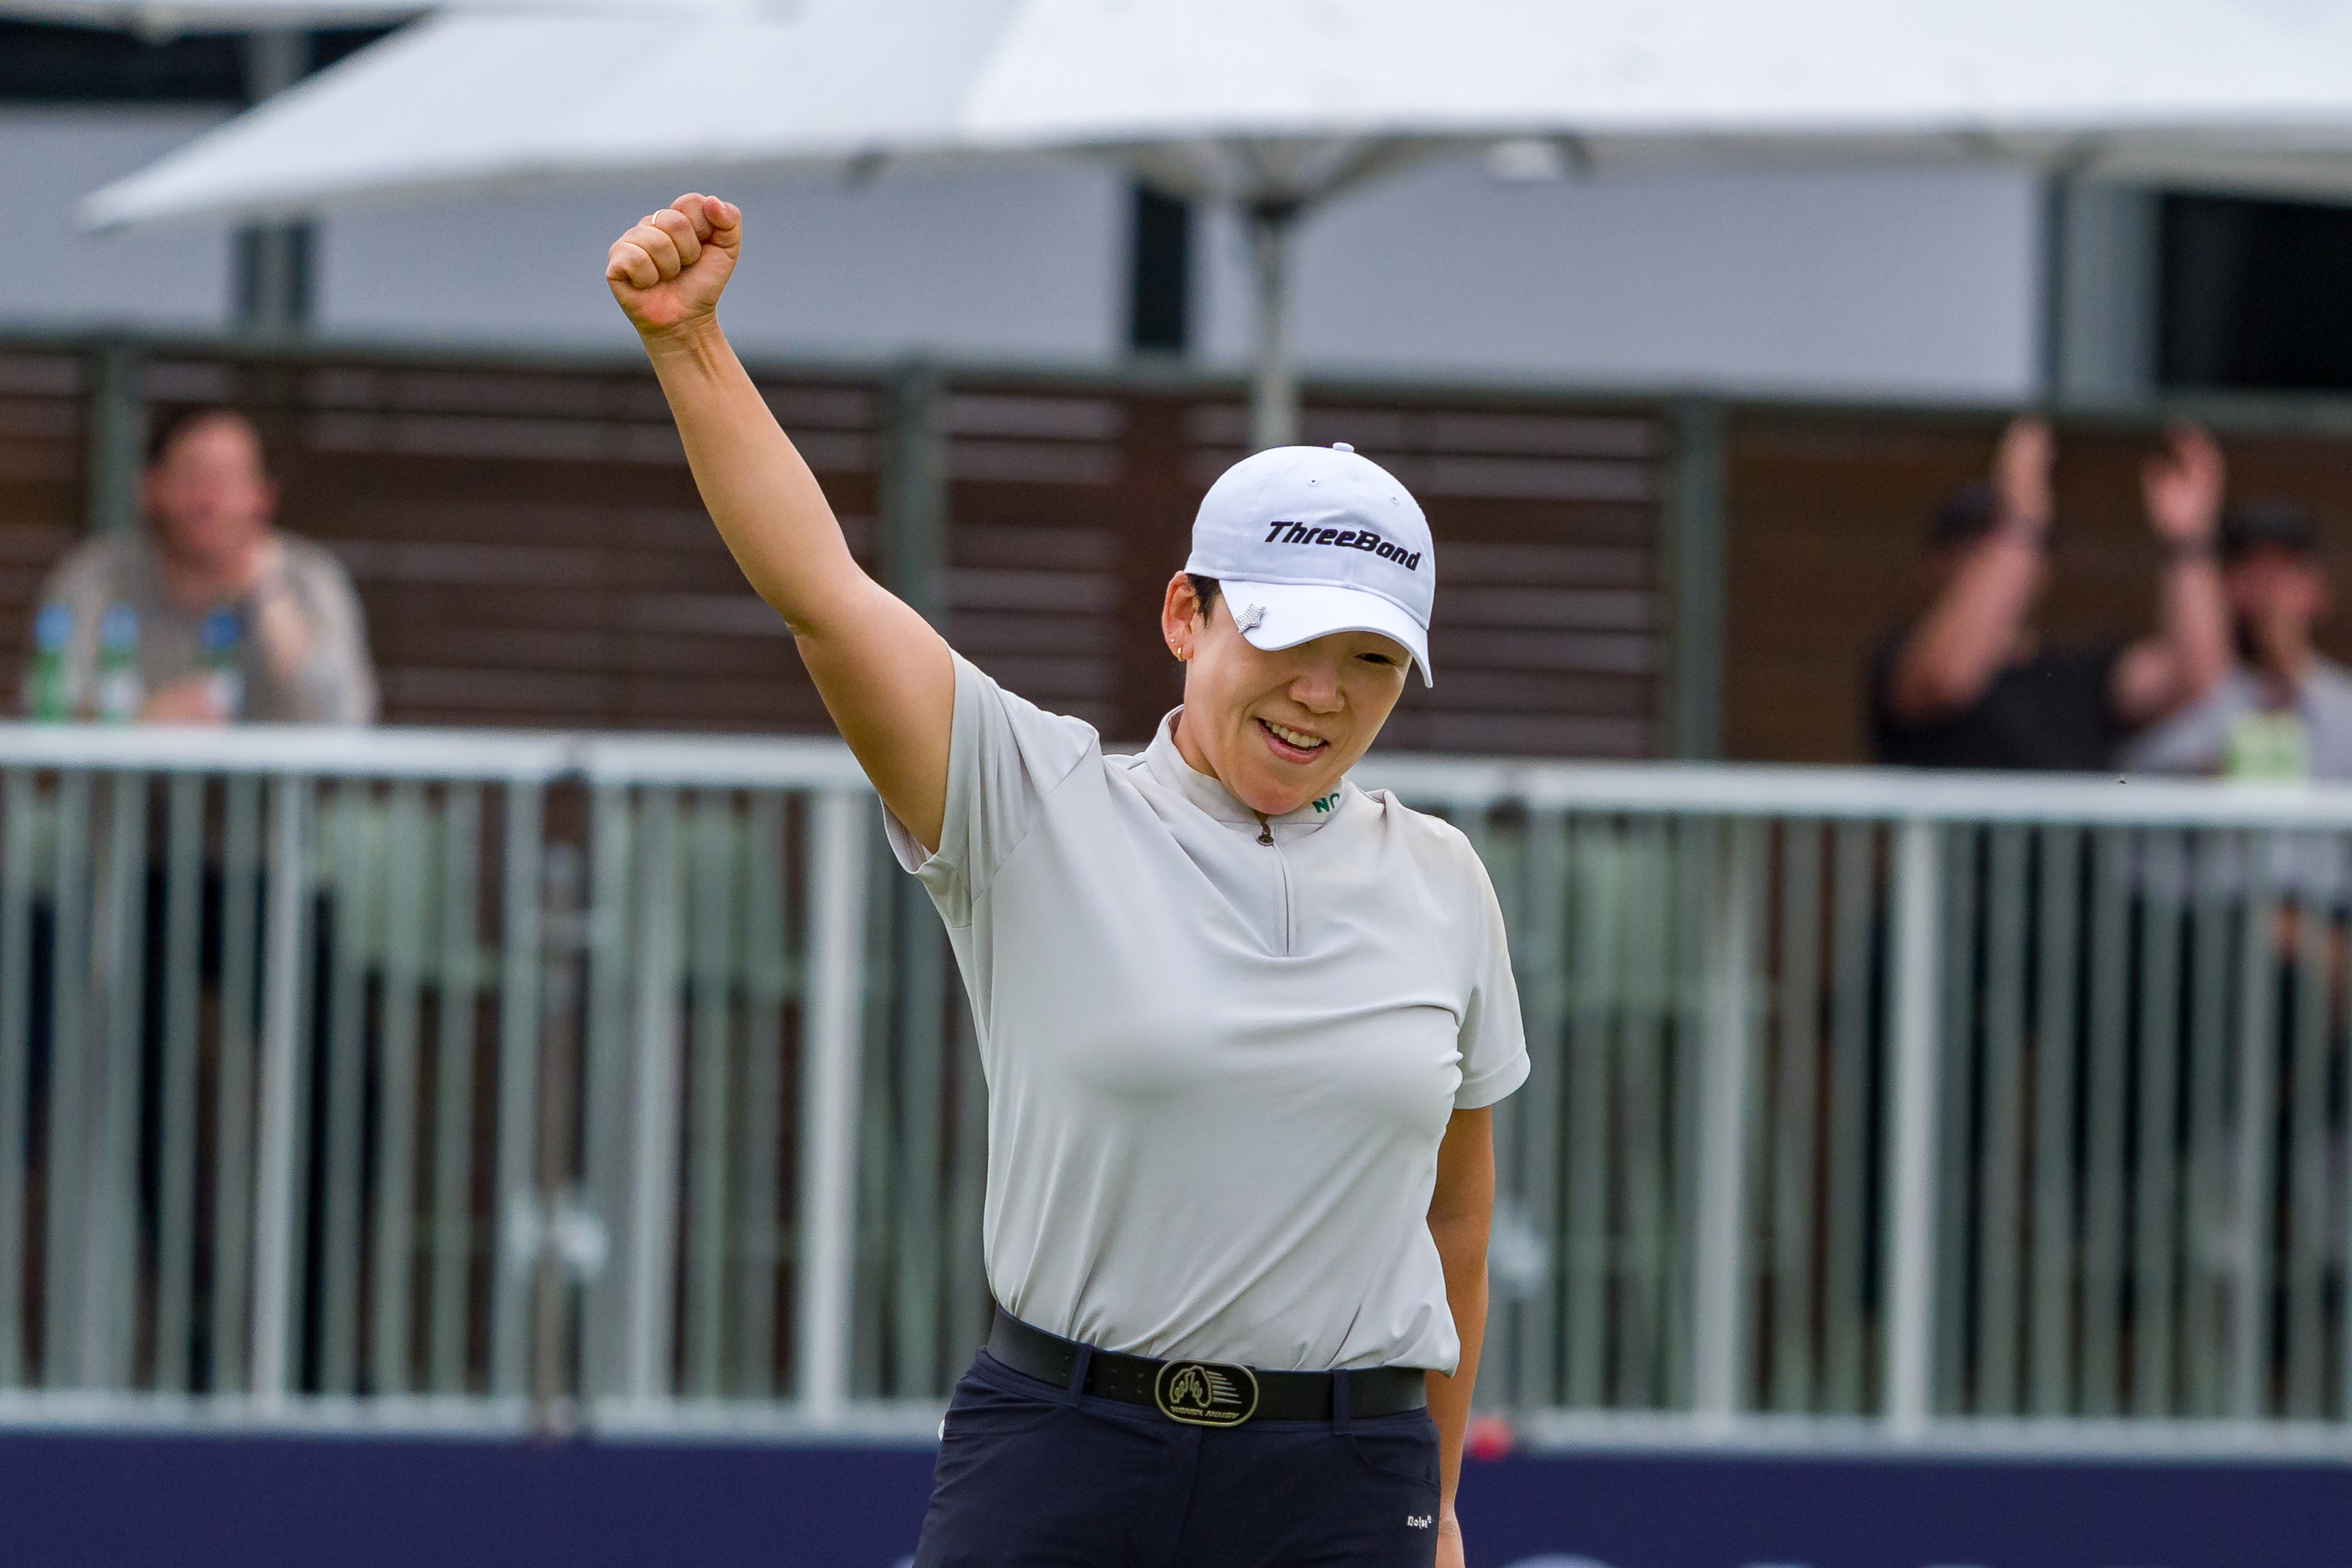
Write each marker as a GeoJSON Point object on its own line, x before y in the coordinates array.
{"type": "Point", "coordinates": [1219, 1071]}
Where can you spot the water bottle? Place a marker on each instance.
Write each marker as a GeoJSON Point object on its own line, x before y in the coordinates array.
{"type": "Point", "coordinates": [217, 634]}
{"type": "Point", "coordinates": [48, 682]}
{"type": "Point", "coordinates": [120, 688]}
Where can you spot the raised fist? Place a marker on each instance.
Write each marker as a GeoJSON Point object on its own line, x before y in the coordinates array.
{"type": "Point", "coordinates": [669, 269]}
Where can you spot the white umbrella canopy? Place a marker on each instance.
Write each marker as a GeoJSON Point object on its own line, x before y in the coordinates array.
{"type": "Point", "coordinates": [1278, 105]}
{"type": "Point", "coordinates": [172, 18]}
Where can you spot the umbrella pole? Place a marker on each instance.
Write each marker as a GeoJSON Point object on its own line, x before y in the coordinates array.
{"type": "Point", "coordinates": [273, 260]}
{"type": "Point", "coordinates": [1274, 395]}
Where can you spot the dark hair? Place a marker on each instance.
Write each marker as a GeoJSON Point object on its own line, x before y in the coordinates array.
{"type": "Point", "coordinates": [1204, 589]}
{"type": "Point", "coordinates": [2257, 525]}
{"type": "Point", "coordinates": [167, 424]}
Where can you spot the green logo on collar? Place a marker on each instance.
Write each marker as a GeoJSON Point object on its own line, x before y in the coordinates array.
{"type": "Point", "coordinates": [1328, 803]}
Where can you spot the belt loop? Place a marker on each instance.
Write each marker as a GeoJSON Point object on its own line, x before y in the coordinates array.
{"type": "Point", "coordinates": [1340, 1409]}
{"type": "Point", "coordinates": [1079, 1362]}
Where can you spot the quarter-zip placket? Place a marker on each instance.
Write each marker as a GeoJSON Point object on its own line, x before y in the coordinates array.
{"type": "Point", "coordinates": [1282, 886]}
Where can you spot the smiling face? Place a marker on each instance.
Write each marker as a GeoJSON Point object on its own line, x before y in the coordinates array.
{"type": "Point", "coordinates": [208, 497]}
{"type": "Point", "coordinates": [1278, 728]}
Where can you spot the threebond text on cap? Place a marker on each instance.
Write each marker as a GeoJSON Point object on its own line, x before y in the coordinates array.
{"type": "Point", "coordinates": [1310, 540]}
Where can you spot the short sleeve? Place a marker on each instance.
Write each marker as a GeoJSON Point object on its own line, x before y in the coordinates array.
{"type": "Point", "coordinates": [1493, 1042]}
{"type": "Point", "coordinates": [1005, 755]}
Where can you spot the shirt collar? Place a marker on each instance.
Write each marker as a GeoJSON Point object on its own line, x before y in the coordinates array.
{"type": "Point", "coordinates": [1168, 766]}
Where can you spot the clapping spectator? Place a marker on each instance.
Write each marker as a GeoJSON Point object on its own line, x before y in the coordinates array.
{"type": "Point", "coordinates": [1971, 684]}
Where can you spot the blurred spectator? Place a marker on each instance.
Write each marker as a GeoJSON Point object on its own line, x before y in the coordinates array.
{"type": "Point", "coordinates": [2282, 712]}
{"type": "Point", "coordinates": [208, 614]}
{"type": "Point", "coordinates": [1971, 684]}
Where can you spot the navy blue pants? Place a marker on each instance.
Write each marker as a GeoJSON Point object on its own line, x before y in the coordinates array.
{"type": "Point", "coordinates": [1032, 1475]}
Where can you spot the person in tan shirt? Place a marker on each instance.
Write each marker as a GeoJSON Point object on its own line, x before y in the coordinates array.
{"type": "Point", "coordinates": [208, 614]}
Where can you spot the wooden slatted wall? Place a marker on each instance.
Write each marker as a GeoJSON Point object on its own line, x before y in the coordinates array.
{"type": "Point", "coordinates": [531, 550]}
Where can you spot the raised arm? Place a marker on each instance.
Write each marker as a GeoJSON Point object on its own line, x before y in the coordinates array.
{"type": "Point", "coordinates": [885, 675]}
{"type": "Point", "coordinates": [1959, 646]}
{"type": "Point", "coordinates": [2190, 650]}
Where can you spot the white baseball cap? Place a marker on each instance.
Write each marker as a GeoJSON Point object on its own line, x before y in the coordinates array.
{"type": "Point", "coordinates": [1308, 541]}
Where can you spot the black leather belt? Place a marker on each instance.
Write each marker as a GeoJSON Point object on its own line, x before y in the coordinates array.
{"type": "Point", "coordinates": [1205, 1393]}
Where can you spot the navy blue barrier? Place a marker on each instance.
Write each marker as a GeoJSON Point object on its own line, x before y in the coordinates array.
{"type": "Point", "coordinates": [254, 1502]}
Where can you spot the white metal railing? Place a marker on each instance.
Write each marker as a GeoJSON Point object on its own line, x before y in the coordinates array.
{"type": "Point", "coordinates": [461, 1078]}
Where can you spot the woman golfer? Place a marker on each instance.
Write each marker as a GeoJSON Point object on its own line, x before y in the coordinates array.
{"type": "Point", "coordinates": [1242, 1022]}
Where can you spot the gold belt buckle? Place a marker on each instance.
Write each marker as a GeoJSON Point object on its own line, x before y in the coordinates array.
{"type": "Point", "coordinates": [1205, 1392]}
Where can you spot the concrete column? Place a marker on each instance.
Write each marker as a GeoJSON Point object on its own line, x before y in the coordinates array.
{"type": "Point", "coordinates": [114, 449]}
{"type": "Point", "coordinates": [1692, 551]}
{"type": "Point", "coordinates": [2099, 289]}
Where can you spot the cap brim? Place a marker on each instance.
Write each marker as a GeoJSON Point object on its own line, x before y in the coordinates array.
{"type": "Point", "coordinates": [1295, 613]}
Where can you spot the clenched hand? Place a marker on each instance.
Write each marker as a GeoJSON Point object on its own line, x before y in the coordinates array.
{"type": "Point", "coordinates": [668, 270]}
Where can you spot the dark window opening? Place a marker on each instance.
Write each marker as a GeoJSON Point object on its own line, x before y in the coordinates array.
{"type": "Point", "coordinates": [45, 63]}
{"type": "Point", "coordinates": [1159, 301]}
{"type": "Point", "coordinates": [2253, 295]}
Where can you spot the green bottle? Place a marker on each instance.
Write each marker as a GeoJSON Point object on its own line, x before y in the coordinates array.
{"type": "Point", "coordinates": [120, 688]}
{"type": "Point", "coordinates": [49, 680]}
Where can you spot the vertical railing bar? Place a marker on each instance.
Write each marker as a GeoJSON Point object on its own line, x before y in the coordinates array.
{"type": "Point", "coordinates": [233, 1108]}
{"type": "Point", "coordinates": [1588, 1251]}
{"type": "Point", "coordinates": [2155, 1208]}
{"type": "Point", "coordinates": [342, 1138]}
{"type": "Point", "coordinates": [454, 1026]}
{"type": "Point", "coordinates": [65, 1249]}
{"type": "Point", "coordinates": [568, 1246]}
{"type": "Point", "coordinates": [709, 964]}
{"type": "Point", "coordinates": [521, 968]}
{"type": "Point", "coordinates": [1912, 1124]}
{"type": "Point", "coordinates": [760, 1139]}
{"type": "Point", "coordinates": [920, 954]}
{"type": "Point", "coordinates": [394, 1271]}
{"type": "Point", "coordinates": [177, 1216]}
{"type": "Point", "coordinates": [653, 1110]}
{"type": "Point", "coordinates": [2050, 1369]}
{"type": "Point", "coordinates": [1702, 879]}
{"type": "Point", "coordinates": [16, 851]}
{"type": "Point", "coordinates": [1642, 1297]}
{"type": "Point", "coordinates": [1499, 853]}
{"type": "Point", "coordinates": [1720, 1268]}
{"type": "Point", "coordinates": [878, 1176]}
{"type": "Point", "coordinates": [2106, 1081]}
{"type": "Point", "coordinates": [2000, 1233]}
{"type": "Point", "coordinates": [968, 1268]}
{"type": "Point", "coordinates": [1958, 1059]}
{"type": "Point", "coordinates": [2256, 1107]}
{"type": "Point", "coordinates": [2305, 1097]}
{"type": "Point", "coordinates": [276, 1184]}
{"type": "Point", "coordinates": [1543, 998]}
{"type": "Point", "coordinates": [2205, 1361]}
{"type": "Point", "coordinates": [109, 1320]}
{"type": "Point", "coordinates": [829, 1102]}
{"type": "Point", "coordinates": [607, 1116]}
{"type": "Point", "coordinates": [1797, 1059]}
{"type": "Point", "coordinates": [1845, 1244]}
